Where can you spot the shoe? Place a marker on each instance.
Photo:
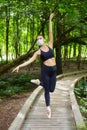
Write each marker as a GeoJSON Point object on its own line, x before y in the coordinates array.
{"type": "Point", "coordinates": [49, 112]}
{"type": "Point", "coordinates": [35, 81]}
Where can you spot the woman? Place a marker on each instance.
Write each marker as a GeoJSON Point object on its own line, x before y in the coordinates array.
{"type": "Point", "coordinates": [48, 70]}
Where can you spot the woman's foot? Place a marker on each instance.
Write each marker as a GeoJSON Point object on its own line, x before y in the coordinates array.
{"type": "Point", "coordinates": [49, 112]}
{"type": "Point", "coordinates": [35, 81]}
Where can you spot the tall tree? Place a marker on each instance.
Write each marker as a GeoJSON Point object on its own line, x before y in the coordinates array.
{"type": "Point", "coordinates": [7, 10]}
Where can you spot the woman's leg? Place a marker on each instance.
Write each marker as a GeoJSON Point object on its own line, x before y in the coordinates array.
{"type": "Point", "coordinates": [47, 97]}
{"type": "Point", "coordinates": [52, 81]}
{"type": "Point", "coordinates": [46, 89]}
{"type": "Point", "coordinates": [46, 82]}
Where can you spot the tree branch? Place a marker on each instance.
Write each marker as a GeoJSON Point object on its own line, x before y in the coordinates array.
{"type": "Point", "coordinates": [68, 40]}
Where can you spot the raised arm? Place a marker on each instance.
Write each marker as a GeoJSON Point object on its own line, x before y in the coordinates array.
{"type": "Point", "coordinates": [27, 62]}
{"type": "Point", "coordinates": [50, 30]}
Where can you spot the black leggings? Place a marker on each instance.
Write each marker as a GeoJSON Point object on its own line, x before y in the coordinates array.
{"type": "Point", "coordinates": [48, 76]}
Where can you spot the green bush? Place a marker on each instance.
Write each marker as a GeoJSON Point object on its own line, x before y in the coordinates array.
{"type": "Point", "coordinates": [81, 95]}
{"type": "Point", "coordinates": [81, 89]}
{"type": "Point", "coordinates": [15, 84]}
{"type": "Point", "coordinates": [81, 127]}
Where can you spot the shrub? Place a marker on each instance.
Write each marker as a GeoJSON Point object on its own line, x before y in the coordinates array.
{"type": "Point", "coordinates": [15, 84]}
{"type": "Point", "coordinates": [81, 95]}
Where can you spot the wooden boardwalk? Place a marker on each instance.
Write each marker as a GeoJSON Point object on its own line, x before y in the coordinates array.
{"type": "Point", "coordinates": [62, 115]}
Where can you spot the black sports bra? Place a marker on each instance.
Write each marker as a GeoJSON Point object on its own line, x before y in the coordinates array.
{"type": "Point", "coordinates": [47, 55]}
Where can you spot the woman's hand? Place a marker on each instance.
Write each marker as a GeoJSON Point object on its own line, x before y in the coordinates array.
{"type": "Point", "coordinates": [16, 69]}
{"type": "Point", "coordinates": [51, 16]}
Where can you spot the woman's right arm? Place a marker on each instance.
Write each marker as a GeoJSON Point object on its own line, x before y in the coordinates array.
{"type": "Point", "coordinates": [50, 30]}
{"type": "Point", "coordinates": [32, 59]}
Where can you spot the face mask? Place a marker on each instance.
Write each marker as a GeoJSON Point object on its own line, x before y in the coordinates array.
{"type": "Point", "coordinates": [40, 42]}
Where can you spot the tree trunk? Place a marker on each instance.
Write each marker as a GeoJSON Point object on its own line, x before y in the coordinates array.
{"type": "Point", "coordinates": [26, 47]}
{"type": "Point", "coordinates": [59, 60]}
{"type": "Point", "coordinates": [58, 48]}
{"type": "Point", "coordinates": [17, 36]}
{"type": "Point", "coordinates": [65, 54]}
{"type": "Point", "coordinates": [74, 51]}
{"type": "Point", "coordinates": [32, 31]}
{"type": "Point", "coordinates": [79, 57]}
{"type": "Point", "coordinates": [79, 52]}
{"type": "Point", "coordinates": [70, 50]}
{"type": "Point", "coordinates": [7, 31]}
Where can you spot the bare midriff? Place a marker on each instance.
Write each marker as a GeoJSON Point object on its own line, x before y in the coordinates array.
{"type": "Point", "coordinates": [50, 62]}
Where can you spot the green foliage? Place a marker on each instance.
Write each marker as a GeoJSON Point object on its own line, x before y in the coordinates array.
{"type": "Point", "coordinates": [15, 84]}
{"type": "Point", "coordinates": [81, 90]}
{"type": "Point", "coordinates": [81, 127]}
{"type": "Point", "coordinates": [81, 95]}
{"type": "Point", "coordinates": [26, 18]}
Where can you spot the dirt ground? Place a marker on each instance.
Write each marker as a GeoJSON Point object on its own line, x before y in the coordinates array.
{"type": "Point", "coordinates": [10, 107]}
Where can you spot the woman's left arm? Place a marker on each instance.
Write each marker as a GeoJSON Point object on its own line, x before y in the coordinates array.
{"type": "Point", "coordinates": [50, 31]}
